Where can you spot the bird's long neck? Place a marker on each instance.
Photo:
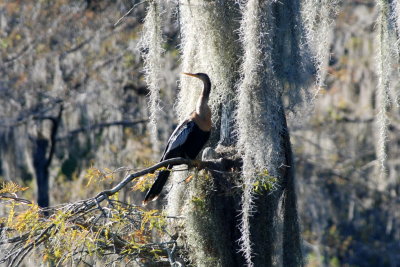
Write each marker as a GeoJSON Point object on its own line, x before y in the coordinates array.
{"type": "Point", "coordinates": [202, 115]}
{"type": "Point", "coordinates": [202, 104]}
{"type": "Point", "coordinates": [206, 90]}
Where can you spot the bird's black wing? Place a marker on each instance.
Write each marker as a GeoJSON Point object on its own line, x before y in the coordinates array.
{"type": "Point", "coordinates": [175, 148]}
{"type": "Point", "coordinates": [178, 139]}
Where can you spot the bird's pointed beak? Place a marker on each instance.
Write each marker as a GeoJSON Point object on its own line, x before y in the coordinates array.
{"type": "Point", "coordinates": [191, 74]}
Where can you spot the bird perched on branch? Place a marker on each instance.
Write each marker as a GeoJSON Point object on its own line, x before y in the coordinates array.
{"type": "Point", "coordinates": [188, 138]}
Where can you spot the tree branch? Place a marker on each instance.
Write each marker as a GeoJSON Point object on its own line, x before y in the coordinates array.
{"type": "Point", "coordinates": [221, 164]}
{"type": "Point", "coordinates": [18, 54]}
{"type": "Point", "coordinates": [16, 199]}
{"type": "Point", "coordinates": [32, 113]}
{"type": "Point", "coordinates": [101, 125]}
{"type": "Point", "coordinates": [175, 161]}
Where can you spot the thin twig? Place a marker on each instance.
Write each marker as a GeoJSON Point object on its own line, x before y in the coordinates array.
{"type": "Point", "coordinates": [17, 199]}
{"type": "Point", "coordinates": [127, 13]}
{"type": "Point", "coordinates": [24, 251]}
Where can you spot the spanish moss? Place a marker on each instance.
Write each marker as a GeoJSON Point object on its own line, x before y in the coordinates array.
{"type": "Point", "coordinates": [208, 45]}
{"type": "Point", "coordinates": [318, 17]}
{"type": "Point", "coordinates": [382, 95]}
{"type": "Point", "coordinates": [152, 51]}
{"type": "Point", "coordinates": [258, 120]}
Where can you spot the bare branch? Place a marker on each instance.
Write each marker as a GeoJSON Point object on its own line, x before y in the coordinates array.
{"type": "Point", "coordinates": [17, 199]}
{"type": "Point", "coordinates": [219, 164]}
{"type": "Point", "coordinates": [127, 13]}
{"type": "Point", "coordinates": [18, 54]}
{"type": "Point", "coordinates": [16, 239]}
{"type": "Point", "coordinates": [36, 112]}
{"type": "Point", "coordinates": [102, 125]}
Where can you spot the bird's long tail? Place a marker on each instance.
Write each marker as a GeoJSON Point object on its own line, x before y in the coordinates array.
{"type": "Point", "coordinates": [157, 186]}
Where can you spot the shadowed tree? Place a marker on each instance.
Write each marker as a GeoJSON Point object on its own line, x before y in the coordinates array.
{"type": "Point", "coordinates": [43, 149]}
{"type": "Point", "coordinates": [41, 70]}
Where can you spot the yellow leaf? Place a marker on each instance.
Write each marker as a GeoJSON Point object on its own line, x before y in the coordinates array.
{"type": "Point", "coordinates": [11, 215]}
{"type": "Point", "coordinates": [11, 188]}
{"type": "Point", "coordinates": [144, 182]}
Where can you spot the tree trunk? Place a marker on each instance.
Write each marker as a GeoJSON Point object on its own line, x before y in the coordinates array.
{"type": "Point", "coordinates": [43, 152]}
{"type": "Point", "coordinates": [41, 170]}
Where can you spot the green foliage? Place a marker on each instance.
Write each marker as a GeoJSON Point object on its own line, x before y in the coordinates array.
{"type": "Point", "coordinates": [264, 182]}
{"type": "Point", "coordinates": [334, 262]}
{"type": "Point", "coordinates": [199, 203]}
{"type": "Point", "coordinates": [129, 60]}
{"type": "Point", "coordinates": [3, 43]}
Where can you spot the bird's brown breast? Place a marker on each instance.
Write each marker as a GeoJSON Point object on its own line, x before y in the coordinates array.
{"type": "Point", "coordinates": [204, 122]}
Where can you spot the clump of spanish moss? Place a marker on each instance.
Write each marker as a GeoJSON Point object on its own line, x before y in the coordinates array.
{"type": "Point", "coordinates": [152, 51]}
{"type": "Point", "coordinates": [259, 107]}
{"type": "Point", "coordinates": [383, 88]}
{"type": "Point", "coordinates": [387, 57]}
{"type": "Point", "coordinates": [318, 17]}
{"type": "Point", "coordinates": [395, 19]}
{"type": "Point", "coordinates": [208, 45]}
{"type": "Point", "coordinates": [279, 59]}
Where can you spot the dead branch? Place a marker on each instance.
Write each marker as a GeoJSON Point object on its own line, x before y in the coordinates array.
{"type": "Point", "coordinates": [102, 125]}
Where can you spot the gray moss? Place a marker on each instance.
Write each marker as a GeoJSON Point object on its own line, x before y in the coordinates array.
{"type": "Point", "coordinates": [151, 46]}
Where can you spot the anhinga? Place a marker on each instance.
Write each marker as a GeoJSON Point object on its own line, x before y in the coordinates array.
{"type": "Point", "coordinates": [188, 138]}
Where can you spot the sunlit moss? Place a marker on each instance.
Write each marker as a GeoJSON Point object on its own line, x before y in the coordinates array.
{"type": "Point", "coordinates": [387, 57]}
{"type": "Point", "coordinates": [318, 17]}
{"type": "Point", "coordinates": [208, 45]}
{"type": "Point", "coordinates": [151, 45]}
{"type": "Point", "coordinates": [258, 120]}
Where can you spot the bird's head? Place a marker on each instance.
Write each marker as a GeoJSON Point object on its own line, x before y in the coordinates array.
{"type": "Point", "coordinates": [202, 76]}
